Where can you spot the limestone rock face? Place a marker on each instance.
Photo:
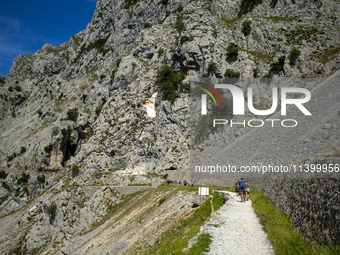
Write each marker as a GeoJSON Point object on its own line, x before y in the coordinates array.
{"type": "Point", "coordinates": [106, 72]}
{"type": "Point", "coordinates": [94, 101]}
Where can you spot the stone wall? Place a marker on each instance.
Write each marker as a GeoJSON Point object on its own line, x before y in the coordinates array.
{"type": "Point", "coordinates": [311, 204]}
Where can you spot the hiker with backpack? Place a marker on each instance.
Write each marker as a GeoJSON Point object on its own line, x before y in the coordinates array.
{"type": "Point", "coordinates": [243, 190]}
{"type": "Point", "coordinates": [237, 188]}
{"type": "Point", "coordinates": [247, 190]}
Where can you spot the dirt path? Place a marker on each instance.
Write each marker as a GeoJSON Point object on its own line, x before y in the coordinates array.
{"type": "Point", "coordinates": [235, 229]}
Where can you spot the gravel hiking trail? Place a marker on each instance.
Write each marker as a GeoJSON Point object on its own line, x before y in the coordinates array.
{"type": "Point", "coordinates": [235, 229]}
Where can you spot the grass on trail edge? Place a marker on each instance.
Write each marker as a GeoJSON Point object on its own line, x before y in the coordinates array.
{"type": "Point", "coordinates": [175, 240]}
{"type": "Point", "coordinates": [280, 230]}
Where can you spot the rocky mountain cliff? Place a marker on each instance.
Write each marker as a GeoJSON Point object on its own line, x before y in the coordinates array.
{"type": "Point", "coordinates": [86, 102]}
{"type": "Point", "coordinates": [92, 109]}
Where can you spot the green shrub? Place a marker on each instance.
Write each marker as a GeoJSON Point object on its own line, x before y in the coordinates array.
{"type": "Point", "coordinates": [22, 150]}
{"type": "Point", "coordinates": [113, 152]}
{"type": "Point", "coordinates": [102, 76]}
{"type": "Point", "coordinates": [185, 87]}
{"type": "Point", "coordinates": [98, 44]}
{"type": "Point", "coordinates": [164, 2]}
{"type": "Point", "coordinates": [64, 131]}
{"type": "Point", "coordinates": [72, 115]}
{"type": "Point", "coordinates": [294, 55]}
{"type": "Point", "coordinates": [17, 192]}
{"type": "Point", "coordinates": [268, 75]}
{"type": "Point", "coordinates": [147, 25]}
{"type": "Point", "coordinates": [179, 9]}
{"type": "Point", "coordinates": [6, 186]}
{"type": "Point", "coordinates": [3, 174]}
{"type": "Point", "coordinates": [51, 209]}
{"type": "Point", "coordinates": [39, 112]}
{"type": "Point", "coordinates": [48, 148]}
{"type": "Point", "coordinates": [17, 88]}
{"type": "Point", "coordinates": [160, 51]}
{"type": "Point", "coordinates": [232, 50]}
{"type": "Point", "coordinates": [23, 179]}
{"type": "Point", "coordinates": [11, 157]}
{"type": "Point", "coordinates": [211, 67]}
{"type": "Point", "coordinates": [75, 171]}
{"type": "Point", "coordinates": [41, 179]}
{"type": "Point", "coordinates": [278, 66]}
{"type": "Point", "coordinates": [231, 74]}
{"type": "Point", "coordinates": [161, 201]}
{"type": "Point", "coordinates": [10, 89]}
{"type": "Point", "coordinates": [247, 6]}
{"type": "Point", "coordinates": [98, 110]}
{"type": "Point", "coordinates": [179, 25]}
{"type": "Point", "coordinates": [246, 27]}
{"type": "Point", "coordinates": [256, 73]}
{"type": "Point", "coordinates": [169, 80]}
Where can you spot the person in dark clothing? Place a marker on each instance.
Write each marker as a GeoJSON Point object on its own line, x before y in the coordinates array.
{"type": "Point", "coordinates": [237, 188]}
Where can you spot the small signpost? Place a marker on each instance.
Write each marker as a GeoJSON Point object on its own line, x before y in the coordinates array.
{"type": "Point", "coordinates": [203, 191]}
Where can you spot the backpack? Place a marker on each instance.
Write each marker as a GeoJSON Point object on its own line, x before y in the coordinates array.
{"type": "Point", "coordinates": [242, 185]}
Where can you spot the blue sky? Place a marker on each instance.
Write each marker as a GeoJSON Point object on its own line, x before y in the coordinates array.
{"type": "Point", "coordinates": [25, 26]}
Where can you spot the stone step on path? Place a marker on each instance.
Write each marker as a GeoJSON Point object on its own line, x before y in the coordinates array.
{"type": "Point", "coordinates": [235, 229]}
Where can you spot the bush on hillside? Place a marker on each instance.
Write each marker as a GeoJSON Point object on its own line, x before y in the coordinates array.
{"type": "Point", "coordinates": [179, 25]}
{"type": "Point", "coordinates": [211, 67]}
{"type": "Point", "coordinates": [147, 25]}
{"type": "Point", "coordinates": [72, 115]}
{"type": "Point", "coordinates": [169, 81]}
{"type": "Point", "coordinates": [23, 179]}
{"type": "Point", "coordinates": [231, 74]}
{"type": "Point", "coordinates": [246, 27]}
{"type": "Point", "coordinates": [294, 55]}
{"type": "Point", "coordinates": [232, 50]}
{"type": "Point", "coordinates": [41, 179]}
{"type": "Point", "coordinates": [278, 66]}
{"type": "Point", "coordinates": [75, 171]}
{"type": "Point", "coordinates": [3, 174]}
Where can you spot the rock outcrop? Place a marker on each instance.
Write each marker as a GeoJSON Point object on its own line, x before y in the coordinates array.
{"type": "Point", "coordinates": [92, 111]}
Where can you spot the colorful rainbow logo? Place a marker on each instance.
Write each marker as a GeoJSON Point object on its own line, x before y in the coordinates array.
{"type": "Point", "coordinates": [208, 92]}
